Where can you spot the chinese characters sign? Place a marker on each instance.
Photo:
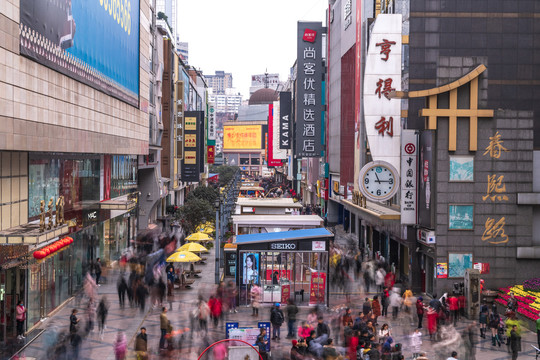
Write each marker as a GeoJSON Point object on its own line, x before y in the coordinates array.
{"type": "Point", "coordinates": [211, 124]}
{"type": "Point", "coordinates": [495, 192]}
{"type": "Point", "coordinates": [409, 151]}
{"type": "Point", "coordinates": [383, 78]}
{"type": "Point", "coordinates": [211, 154]}
{"type": "Point", "coordinates": [242, 137]}
{"type": "Point", "coordinates": [309, 99]}
{"type": "Point", "coordinates": [193, 123]}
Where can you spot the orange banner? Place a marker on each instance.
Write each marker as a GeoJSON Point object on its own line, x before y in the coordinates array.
{"type": "Point", "coordinates": [242, 137]}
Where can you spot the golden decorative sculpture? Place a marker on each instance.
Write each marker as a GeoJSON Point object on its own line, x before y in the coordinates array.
{"type": "Point", "coordinates": [49, 213]}
{"type": "Point", "coordinates": [60, 211]}
{"type": "Point", "coordinates": [42, 216]}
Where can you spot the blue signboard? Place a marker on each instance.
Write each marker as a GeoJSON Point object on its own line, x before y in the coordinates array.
{"type": "Point", "coordinates": [94, 42]}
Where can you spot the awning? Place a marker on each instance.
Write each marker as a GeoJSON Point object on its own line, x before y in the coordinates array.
{"type": "Point", "coordinates": [374, 209]}
{"type": "Point", "coordinates": [29, 234]}
{"type": "Point", "coordinates": [118, 204]}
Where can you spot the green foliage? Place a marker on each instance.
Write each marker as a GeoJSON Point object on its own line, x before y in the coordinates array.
{"type": "Point", "coordinates": [208, 194]}
{"type": "Point", "coordinates": [226, 173]}
{"type": "Point", "coordinates": [193, 212]}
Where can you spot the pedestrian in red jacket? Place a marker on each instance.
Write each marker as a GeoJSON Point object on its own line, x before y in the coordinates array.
{"type": "Point", "coordinates": [215, 306]}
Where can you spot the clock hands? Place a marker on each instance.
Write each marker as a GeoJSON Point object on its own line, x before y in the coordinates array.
{"type": "Point", "coordinates": [377, 176]}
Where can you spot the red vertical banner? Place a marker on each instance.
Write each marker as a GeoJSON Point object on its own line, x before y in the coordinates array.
{"type": "Point", "coordinates": [211, 153]}
{"type": "Point", "coordinates": [285, 293]}
{"type": "Point", "coordinates": [317, 288]}
{"type": "Point", "coordinates": [270, 144]}
{"type": "Point", "coordinates": [107, 177]}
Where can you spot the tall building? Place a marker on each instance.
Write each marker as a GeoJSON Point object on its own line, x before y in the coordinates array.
{"type": "Point", "coordinates": [451, 88]}
{"type": "Point", "coordinates": [168, 7]}
{"type": "Point", "coordinates": [183, 50]}
{"type": "Point", "coordinates": [220, 82]}
{"type": "Point", "coordinates": [74, 120]}
{"type": "Point", "coordinates": [227, 103]}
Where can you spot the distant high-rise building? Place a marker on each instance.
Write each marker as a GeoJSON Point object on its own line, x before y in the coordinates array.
{"type": "Point", "coordinates": [183, 49]}
{"type": "Point", "coordinates": [261, 81]}
{"type": "Point", "coordinates": [229, 102]}
{"type": "Point", "coordinates": [219, 82]}
{"type": "Point", "coordinates": [168, 7]}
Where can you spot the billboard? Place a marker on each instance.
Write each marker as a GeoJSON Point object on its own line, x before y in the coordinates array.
{"type": "Point", "coordinates": [94, 42]}
{"type": "Point", "coordinates": [242, 137]}
{"type": "Point", "coordinates": [309, 100]}
{"type": "Point", "coordinates": [193, 125]}
{"type": "Point", "coordinates": [250, 265]}
{"type": "Point", "coordinates": [272, 134]}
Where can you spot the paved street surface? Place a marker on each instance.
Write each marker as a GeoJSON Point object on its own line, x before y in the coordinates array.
{"type": "Point", "coordinates": [130, 320]}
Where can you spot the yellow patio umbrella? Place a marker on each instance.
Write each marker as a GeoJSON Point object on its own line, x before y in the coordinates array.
{"type": "Point", "coordinates": [183, 256]}
{"type": "Point", "coordinates": [206, 228]}
{"type": "Point", "coordinates": [198, 236]}
{"type": "Point", "coordinates": [193, 247]}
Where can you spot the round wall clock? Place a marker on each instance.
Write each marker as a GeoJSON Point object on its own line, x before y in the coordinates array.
{"type": "Point", "coordinates": [378, 181]}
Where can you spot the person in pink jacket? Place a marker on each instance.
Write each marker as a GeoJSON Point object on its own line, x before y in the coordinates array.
{"type": "Point", "coordinates": [20, 317]}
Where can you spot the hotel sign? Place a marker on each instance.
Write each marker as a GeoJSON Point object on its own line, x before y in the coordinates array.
{"type": "Point", "coordinates": [309, 92]}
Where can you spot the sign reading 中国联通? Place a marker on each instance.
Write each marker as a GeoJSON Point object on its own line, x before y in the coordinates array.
{"type": "Point", "coordinates": [94, 42]}
{"type": "Point", "coordinates": [309, 99]}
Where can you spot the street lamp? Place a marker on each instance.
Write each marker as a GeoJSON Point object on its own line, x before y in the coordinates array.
{"type": "Point", "coordinates": [217, 242]}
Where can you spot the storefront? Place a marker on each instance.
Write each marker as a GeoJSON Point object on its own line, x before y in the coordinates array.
{"type": "Point", "coordinates": [289, 264]}
{"type": "Point", "coordinates": [99, 194]}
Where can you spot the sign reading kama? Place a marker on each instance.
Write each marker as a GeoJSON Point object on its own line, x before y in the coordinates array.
{"type": "Point", "coordinates": [284, 120]}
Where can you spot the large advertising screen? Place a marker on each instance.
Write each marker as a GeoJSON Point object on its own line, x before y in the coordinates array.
{"type": "Point", "coordinates": [242, 137]}
{"type": "Point", "coordinates": [94, 42]}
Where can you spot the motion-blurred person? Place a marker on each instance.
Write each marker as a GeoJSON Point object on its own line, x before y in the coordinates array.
{"type": "Point", "coordinates": [73, 321]}
{"type": "Point", "coordinates": [255, 299]}
{"type": "Point", "coordinates": [432, 322]}
{"type": "Point", "coordinates": [376, 309]}
{"type": "Point", "coordinates": [215, 309]}
{"type": "Point", "coordinates": [493, 323]}
{"type": "Point", "coordinates": [291, 310]}
{"type": "Point", "coordinates": [395, 303]}
{"type": "Point", "coordinates": [120, 346]}
{"type": "Point", "coordinates": [483, 320]}
{"type": "Point", "coordinates": [420, 310]}
{"type": "Point", "coordinates": [277, 319]}
{"type": "Point", "coordinates": [416, 343]}
{"type": "Point", "coordinates": [90, 316]}
{"type": "Point", "coordinates": [164, 325]}
{"type": "Point", "coordinates": [122, 289]}
{"type": "Point", "coordinates": [102, 311]}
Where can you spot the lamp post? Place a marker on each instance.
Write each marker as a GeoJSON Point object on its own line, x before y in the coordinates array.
{"type": "Point", "coordinates": [217, 205]}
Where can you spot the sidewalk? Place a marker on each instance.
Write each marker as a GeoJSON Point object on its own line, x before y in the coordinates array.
{"type": "Point", "coordinates": [130, 320]}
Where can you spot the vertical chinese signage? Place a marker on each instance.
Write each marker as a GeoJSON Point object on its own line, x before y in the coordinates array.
{"type": "Point", "coordinates": [211, 124]}
{"type": "Point", "coordinates": [317, 288]}
{"type": "Point", "coordinates": [211, 153]}
{"type": "Point", "coordinates": [382, 78]}
{"type": "Point", "coordinates": [179, 93]}
{"type": "Point", "coordinates": [190, 164]}
{"type": "Point", "coordinates": [409, 169]}
{"type": "Point", "coordinates": [494, 232]}
{"type": "Point", "coordinates": [284, 120]}
{"type": "Point", "coordinates": [309, 99]}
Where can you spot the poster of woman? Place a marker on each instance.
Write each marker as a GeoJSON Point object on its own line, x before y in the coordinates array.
{"type": "Point", "coordinates": [251, 270]}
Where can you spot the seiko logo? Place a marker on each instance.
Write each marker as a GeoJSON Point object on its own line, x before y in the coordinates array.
{"type": "Point", "coordinates": [278, 246]}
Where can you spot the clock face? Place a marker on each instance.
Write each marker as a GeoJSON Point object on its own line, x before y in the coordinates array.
{"type": "Point", "coordinates": [378, 181]}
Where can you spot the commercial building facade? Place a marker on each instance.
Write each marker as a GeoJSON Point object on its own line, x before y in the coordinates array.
{"type": "Point", "coordinates": [71, 132]}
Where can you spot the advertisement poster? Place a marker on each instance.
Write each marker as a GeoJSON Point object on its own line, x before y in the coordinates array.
{"type": "Point", "coordinates": [94, 42]}
{"type": "Point", "coordinates": [250, 263]}
{"type": "Point", "coordinates": [242, 137]}
{"type": "Point", "coordinates": [442, 270]}
{"type": "Point", "coordinates": [193, 146]}
{"type": "Point", "coordinates": [317, 288]}
{"type": "Point", "coordinates": [482, 267]}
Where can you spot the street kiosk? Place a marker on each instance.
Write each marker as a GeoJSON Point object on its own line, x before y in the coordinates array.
{"type": "Point", "coordinates": [288, 264]}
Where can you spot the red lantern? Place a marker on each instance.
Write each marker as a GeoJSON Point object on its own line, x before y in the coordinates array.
{"type": "Point", "coordinates": [47, 250]}
{"type": "Point", "coordinates": [37, 255]}
{"type": "Point", "coordinates": [70, 240]}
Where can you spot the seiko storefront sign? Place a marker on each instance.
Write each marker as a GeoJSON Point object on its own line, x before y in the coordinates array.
{"type": "Point", "coordinates": [283, 246]}
{"type": "Point", "coordinates": [426, 237]}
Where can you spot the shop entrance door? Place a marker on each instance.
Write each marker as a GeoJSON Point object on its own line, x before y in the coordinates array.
{"type": "Point", "coordinates": [12, 289]}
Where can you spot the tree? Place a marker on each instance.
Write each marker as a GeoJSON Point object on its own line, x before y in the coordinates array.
{"type": "Point", "coordinates": [193, 212]}
{"type": "Point", "coordinates": [226, 173]}
{"type": "Point", "coordinates": [203, 192]}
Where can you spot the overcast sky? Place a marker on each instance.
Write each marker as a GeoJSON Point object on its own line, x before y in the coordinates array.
{"type": "Point", "coordinates": [244, 37]}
